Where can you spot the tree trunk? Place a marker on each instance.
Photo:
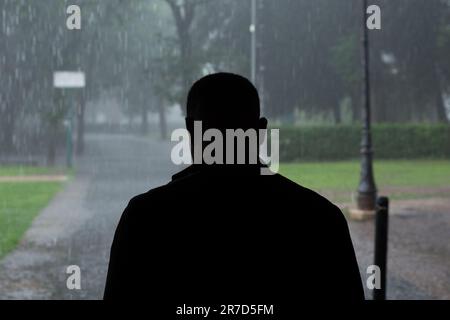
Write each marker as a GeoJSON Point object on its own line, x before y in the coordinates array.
{"type": "Point", "coordinates": [162, 121]}
{"type": "Point", "coordinates": [184, 15]}
{"type": "Point", "coordinates": [441, 111]}
{"type": "Point", "coordinates": [144, 121]}
{"type": "Point", "coordinates": [51, 151]}
{"type": "Point", "coordinates": [337, 113]}
{"type": "Point", "coordinates": [6, 132]}
{"type": "Point", "coordinates": [185, 48]}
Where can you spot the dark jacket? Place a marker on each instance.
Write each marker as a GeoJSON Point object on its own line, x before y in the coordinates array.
{"type": "Point", "coordinates": [212, 235]}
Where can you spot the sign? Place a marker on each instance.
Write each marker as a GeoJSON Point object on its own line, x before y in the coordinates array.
{"type": "Point", "coordinates": [68, 79]}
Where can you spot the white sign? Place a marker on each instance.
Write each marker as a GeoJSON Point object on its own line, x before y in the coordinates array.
{"type": "Point", "coordinates": [68, 79]}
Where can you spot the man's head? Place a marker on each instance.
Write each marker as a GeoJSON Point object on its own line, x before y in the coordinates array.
{"type": "Point", "coordinates": [224, 101]}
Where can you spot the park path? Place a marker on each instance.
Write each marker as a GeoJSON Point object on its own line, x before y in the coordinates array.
{"type": "Point", "coordinates": [78, 225]}
{"type": "Point", "coordinates": [418, 249]}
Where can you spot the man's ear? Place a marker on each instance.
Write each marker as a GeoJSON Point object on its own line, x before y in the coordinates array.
{"type": "Point", "coordinates": [262, 123]}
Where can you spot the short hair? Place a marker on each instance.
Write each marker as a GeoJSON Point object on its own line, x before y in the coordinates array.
{"type": "Point", "coordinates": [225, 100]}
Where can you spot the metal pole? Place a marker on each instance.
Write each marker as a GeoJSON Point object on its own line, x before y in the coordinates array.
{"type": "Point", "coordinates": [367, 190]}
{"type": "Point", "coordinates": [253, 42]}
{"type": "Point", "coordinates": [69, 150]}
{"type": "Point", "coordinates": [80, 123]}
{"type": "Point", "coordinates": [69, 143]}
{"type": "Point", "coordinates": [381, 243]}
{"type": "Point", "coordinates": [262, 92]}
{"type": "Point", "coordinates": [261, 59]}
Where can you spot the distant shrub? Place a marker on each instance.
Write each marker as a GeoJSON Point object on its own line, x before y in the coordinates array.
{"type": "Point", "coordinates": [339, 142]}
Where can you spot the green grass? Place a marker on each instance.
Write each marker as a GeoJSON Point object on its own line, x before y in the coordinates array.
{"type": "Point", "coordinates": [344, 176]}
{"type": "Point", "coordinates": [23, 171]}
{"type": "Point", "coordinates": [20, 202]}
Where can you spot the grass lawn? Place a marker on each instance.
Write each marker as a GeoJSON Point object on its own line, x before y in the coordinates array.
{"type": "Point", "coordinates": [20, 202]}
{"type": "Point", "coordinates": [23, 171]}
{"type": "Point", "coordinates": [343, 177]}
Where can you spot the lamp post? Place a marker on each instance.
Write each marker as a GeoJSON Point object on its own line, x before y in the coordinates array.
{"type": "Point", "coordinates": [367, 190]}
{"type": "Point", "coordinates": [256, 74]}
{"type": "Point", "coordinates": [253, 42]}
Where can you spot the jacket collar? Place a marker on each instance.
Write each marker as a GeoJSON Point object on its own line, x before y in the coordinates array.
{"type": "Point", "coordinates": [226, 170]}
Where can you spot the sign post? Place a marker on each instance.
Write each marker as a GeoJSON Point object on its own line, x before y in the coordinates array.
{"type": "Point", "coordinates": [70, 80]}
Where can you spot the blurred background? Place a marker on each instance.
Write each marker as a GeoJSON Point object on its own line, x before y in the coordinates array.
{"type": "Point", "coordinates": [71, 158]}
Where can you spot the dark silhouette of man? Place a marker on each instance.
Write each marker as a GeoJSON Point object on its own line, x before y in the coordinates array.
{"type": "Point", "coordinates": [223, 232]}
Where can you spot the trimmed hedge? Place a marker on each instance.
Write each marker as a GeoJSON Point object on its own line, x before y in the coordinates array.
{"type": "Point", "coordinates": [340, 142]}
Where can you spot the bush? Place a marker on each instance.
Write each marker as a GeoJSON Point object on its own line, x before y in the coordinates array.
{"type": "Point", "coordinates": [340, 142]}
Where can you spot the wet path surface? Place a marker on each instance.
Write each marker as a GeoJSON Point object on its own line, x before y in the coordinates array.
{"type": "Point", "coordinates": [418, 251]}
{"type": "Point", "coordinates": [78, 226]}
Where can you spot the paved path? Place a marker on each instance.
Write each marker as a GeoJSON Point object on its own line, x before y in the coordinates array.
{"type": "Point", "coordinates": [418, 249]}
{"type": "Point", "coordinates": [78, 225]}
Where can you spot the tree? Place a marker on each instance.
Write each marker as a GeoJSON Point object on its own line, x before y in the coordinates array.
{"type": "Point", "coordinates": [184, 12]}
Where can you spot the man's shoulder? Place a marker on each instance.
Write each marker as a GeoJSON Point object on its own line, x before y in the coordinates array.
{"type": "Point", "coordinates": [295, 189]}
{"type": "Point", "coordinates": [307, 200]}
{"type": "Point", "coordinates": [151, 195]}
{"type": "Point", "coordinates": [276, 183]}
{"type": "Point", "coordinates": [164, 195]}
{"type": "Point", "coordinates": [144, 206]}
{"type": "Point", "coordinates": [272, 188]}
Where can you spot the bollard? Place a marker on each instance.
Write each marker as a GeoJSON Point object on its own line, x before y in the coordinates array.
{"type": "Point", "coordinates": [381, 241]}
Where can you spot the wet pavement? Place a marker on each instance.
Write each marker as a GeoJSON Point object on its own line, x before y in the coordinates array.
{"type": "Point", "coordinates": [418, 251]}
{"type": "Point", "coordinates": [78, 226]}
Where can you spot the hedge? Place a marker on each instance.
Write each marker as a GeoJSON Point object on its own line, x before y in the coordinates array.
{"type": "Point", "coordinates": [340, 142]}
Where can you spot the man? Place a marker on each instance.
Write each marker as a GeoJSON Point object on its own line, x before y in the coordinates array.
{"type": "Point", "coordinates": [224, 232]}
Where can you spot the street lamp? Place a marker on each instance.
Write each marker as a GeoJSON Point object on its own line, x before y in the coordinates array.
{"type": "Point", "coordinates": [255, 27]}
{"type": "Point", "coordinates": [253, 42]}
{"type": "Point", "coordinates": [367, 190]}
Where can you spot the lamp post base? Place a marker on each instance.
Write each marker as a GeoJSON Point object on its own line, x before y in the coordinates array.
{"type": "Point", "coordinates": [366, 200]}
{"type": "Point", "coordinates": [361, 215]}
